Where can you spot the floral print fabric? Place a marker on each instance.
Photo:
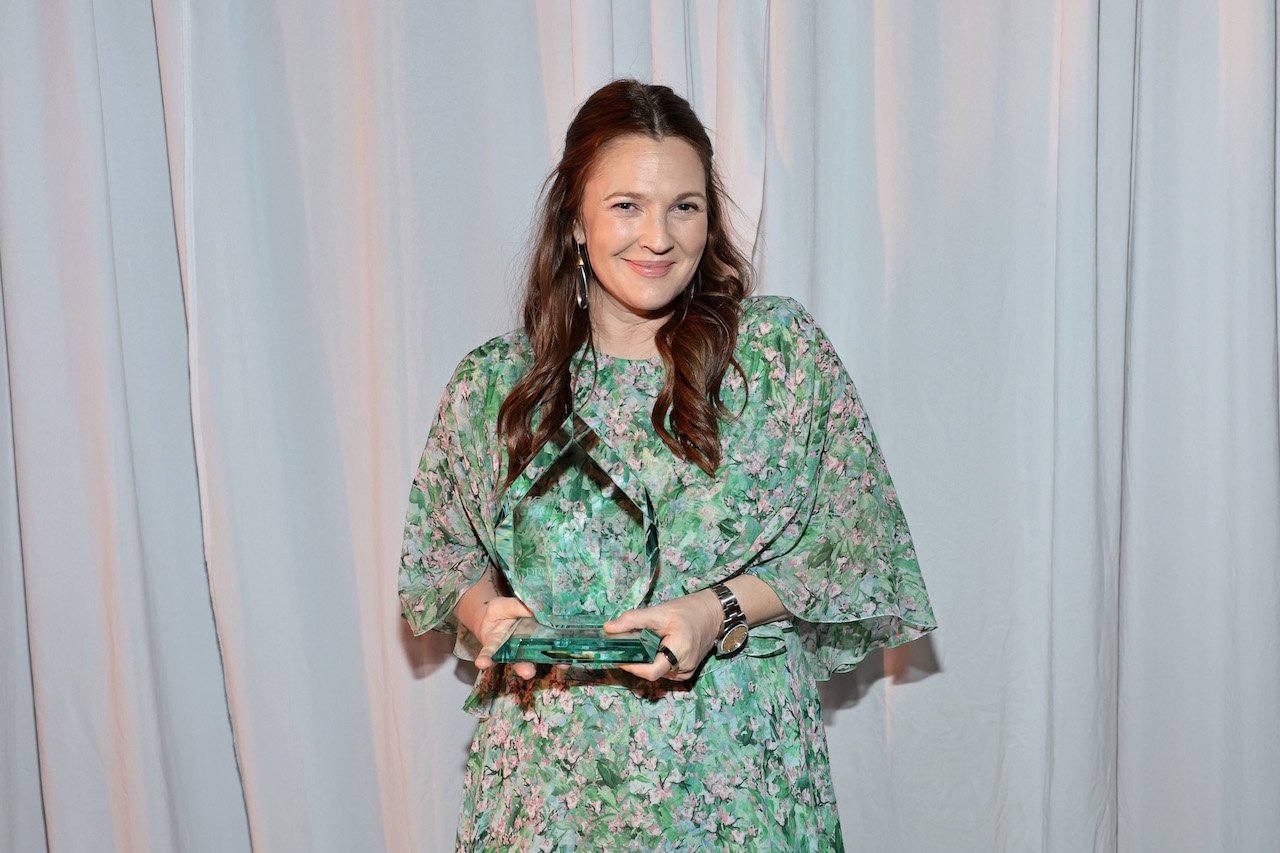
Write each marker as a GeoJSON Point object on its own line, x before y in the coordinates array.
{"type": "Point", "coordinates": [736, 759]}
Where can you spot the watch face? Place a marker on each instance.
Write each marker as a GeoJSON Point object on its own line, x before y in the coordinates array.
{"type": "Point", "coordinates": [734, 639]}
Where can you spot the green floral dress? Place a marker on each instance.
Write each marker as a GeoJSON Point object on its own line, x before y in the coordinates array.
{"type": "Point", "coordinates": [735, 760]}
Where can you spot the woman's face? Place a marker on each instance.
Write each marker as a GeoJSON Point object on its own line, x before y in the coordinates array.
{"type": "Point", "coordinates": [643, 218]}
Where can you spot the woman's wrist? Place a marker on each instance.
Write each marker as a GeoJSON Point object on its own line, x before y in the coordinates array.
{"type": "Point", "coordinates": [713, 613]}
{"type": "Point", "coordinates": [469, 611]}
{"type": "Point", "coordinates": [759, 603]}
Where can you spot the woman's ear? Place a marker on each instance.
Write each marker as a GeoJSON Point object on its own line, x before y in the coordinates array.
{"type": "Point", "coordinates": [578, 233]}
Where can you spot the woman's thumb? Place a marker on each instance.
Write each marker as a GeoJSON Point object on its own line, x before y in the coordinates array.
{"type": "Point", "coordinates": [628, 621]}
{"type": "Point", "coordinates": [511, 608]}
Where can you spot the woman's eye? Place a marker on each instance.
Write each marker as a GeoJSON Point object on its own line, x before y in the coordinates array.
{"type": "Point", "coordinates": [625, 205]}
{"type": "Point", "coordinates": [687, 207]}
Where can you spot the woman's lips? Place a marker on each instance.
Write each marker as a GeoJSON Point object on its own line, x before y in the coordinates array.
{"type": "Point", "coordinates": [652, 269]}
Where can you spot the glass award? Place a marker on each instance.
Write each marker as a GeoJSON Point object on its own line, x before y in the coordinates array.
{"type": "Point", "coordinates": [578, 543]}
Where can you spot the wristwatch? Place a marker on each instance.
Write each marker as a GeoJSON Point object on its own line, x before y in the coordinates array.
{"type": "Point", "coordinates": [733, 631]}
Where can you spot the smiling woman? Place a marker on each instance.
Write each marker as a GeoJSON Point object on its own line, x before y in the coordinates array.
{"type": "Point", "coordinates": [624, 190]}
{"type": "Point", "coordinates": [643, 221]}
{"type": "Point", "coordinates": [782, 557]}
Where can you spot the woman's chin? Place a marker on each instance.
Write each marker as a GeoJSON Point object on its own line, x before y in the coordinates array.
{"type": "Point", "coordinates": [648, 306]}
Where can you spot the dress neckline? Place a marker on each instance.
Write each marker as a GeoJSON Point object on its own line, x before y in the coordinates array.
{"type": "Point", "coordinates": [605, 359]}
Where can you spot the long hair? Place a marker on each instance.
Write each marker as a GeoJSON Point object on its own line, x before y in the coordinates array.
{"type": "Point", "coordinates": [697, 340]}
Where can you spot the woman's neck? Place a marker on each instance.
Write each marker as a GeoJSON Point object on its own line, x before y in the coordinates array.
{"type": "Point", "coordinates": [624, 335]}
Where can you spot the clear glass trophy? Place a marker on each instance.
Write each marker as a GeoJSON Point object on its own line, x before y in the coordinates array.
{"type": "Point", "coordinates": [578, 542]}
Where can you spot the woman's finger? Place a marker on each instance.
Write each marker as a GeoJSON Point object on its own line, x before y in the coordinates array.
{"type": "Point", "coordinates": [647, 671]}
{"type": "Point", "coordinates": [500, 618]}
{"type": "Point", "coordinates": [653, 618]}
{"type": "Point", "coordinates": [524, 669]}
{"type": "Point", "coordinates": [622, 622]}
{"type": "Point", "coordinates": [661, 667]}
{"type": "Point", "coordinates": [508, 608]}
{"type": "Point", "coordinates": [665, 653]}
{"type": "Point", "coordinates": [496, 631]}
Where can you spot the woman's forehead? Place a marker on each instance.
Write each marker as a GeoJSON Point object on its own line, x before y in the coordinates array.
{"type": "Point", "coordinates": [631, 162]}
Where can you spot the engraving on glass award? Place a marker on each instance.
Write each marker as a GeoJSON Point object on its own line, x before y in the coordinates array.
{"type": "Point", "coordinates": [578, 543]}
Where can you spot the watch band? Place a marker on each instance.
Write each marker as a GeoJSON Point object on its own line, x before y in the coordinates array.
{"type": "Point", "coordinates": [733, 630]}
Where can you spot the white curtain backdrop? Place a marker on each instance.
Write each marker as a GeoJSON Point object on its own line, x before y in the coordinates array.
{"type": "Point", "coordinates": [244, 243]}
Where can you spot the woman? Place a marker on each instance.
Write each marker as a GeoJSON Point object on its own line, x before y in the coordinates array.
{"type": "Point", "coordinates": [776, 513]}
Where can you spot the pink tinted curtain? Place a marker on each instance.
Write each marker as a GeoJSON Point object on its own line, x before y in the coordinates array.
{"type": "Point", "coordinates": [242, 246]}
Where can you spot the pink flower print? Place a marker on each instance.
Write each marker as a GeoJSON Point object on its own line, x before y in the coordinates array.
{"type": "Point", "coordinates": [658, 794]}
{"type": "Point", "coordinates": [794, 449]}
{"type": "Point", "coordinates": [718, 787]}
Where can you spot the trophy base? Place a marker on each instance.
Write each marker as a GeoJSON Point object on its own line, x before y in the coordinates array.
{"type": "Point", "coordinates": [587, 646]}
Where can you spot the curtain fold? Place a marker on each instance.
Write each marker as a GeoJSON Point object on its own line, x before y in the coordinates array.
{"type": "Point", "coordinates": [242, 246]}
{"type": "Point", "coordinates": [21, 812]}
{"type": "Point", "coordinates": [1199, 651]}
{"type": "Point", "coordinates": [134, 745]}
{"type": "Point", "coordinates": [1089, 137]}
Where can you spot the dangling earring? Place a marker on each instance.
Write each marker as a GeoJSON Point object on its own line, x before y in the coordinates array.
{"type": "Point", "coordinates": [582, 276]}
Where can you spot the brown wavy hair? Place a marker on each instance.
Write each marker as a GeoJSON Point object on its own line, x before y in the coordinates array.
{"type": "Point", "coordinates": [696, 342]}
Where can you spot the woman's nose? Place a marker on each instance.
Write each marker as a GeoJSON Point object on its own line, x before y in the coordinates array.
{"type": "Point", "coordinates": [656, 237]}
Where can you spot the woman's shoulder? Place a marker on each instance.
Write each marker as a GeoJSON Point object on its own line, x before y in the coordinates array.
{"type": "Point", "coordinates": [499, 355]}
{"type": "Point", "coordinates": [778, 323]}
{"type": "Point", "coordinates": [485, 375]}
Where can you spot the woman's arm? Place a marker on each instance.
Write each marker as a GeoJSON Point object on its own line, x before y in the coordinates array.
{"type": "Point", "coordinates": [488, 614]}
{"type": "Point", "coordinates": [690, 624]}
{"type": "Point", "coordinates": [759, 603]}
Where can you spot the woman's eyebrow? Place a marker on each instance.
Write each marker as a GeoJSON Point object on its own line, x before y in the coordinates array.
{"type": "Point", "coordinates": [643, 197]}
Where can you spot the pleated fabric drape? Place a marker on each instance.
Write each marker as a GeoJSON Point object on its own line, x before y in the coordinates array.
{"type": "Point", "coordinates": [243, 244]}
{"type": "Point", "coordinates": [115, 712]}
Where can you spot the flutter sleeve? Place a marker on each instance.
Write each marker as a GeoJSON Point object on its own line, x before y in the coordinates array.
{"type": "Point", "coordinates": [851, 577]}
{"type": "Point", "coordinates": [447, 530]}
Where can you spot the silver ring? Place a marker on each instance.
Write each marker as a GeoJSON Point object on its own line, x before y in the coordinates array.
{"type": "Point", "coordinates": [670, 656]}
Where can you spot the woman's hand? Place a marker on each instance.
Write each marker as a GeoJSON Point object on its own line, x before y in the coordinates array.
{"type": "Point", "coordinates": [688, 626]}
{"type": "Point", "coordinates": [499, 616]}
{"type": "Point", "coordinates": [490, 616]}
